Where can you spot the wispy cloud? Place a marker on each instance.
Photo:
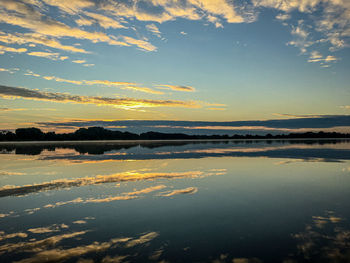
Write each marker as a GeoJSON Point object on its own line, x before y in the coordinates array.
{"type": "Point", "coordinates": [37, 39]}
{"type": "Point", "coordinates": [98, 23]}
{"type": "Point", "coordinates": [4, 49]}
{"type": "Point", "coordinates": [25, 16]}
{"type": "Point", "coordinates": [154, 30]}
{"type": "Point", "coordinates": [122, 103]}
{"type": "Point", "coordinates": [329, 27]}
{"type": "Point", "coordinates": [318, 57]}
{"type": "Point", "coordinates": [289, 122]}
{"type": "Point", "coordinates": [49, 55]}
{"type": "Point", "coordinates": [283, 16]}
{"type": "Point", "coordinates": [143, 89]}
{"type": "Point", "coordinates": [79, 61]}
{"type": "Point", "coordinates": [177, 88]}
{"type": "Point", "coordinates": [121, 84]}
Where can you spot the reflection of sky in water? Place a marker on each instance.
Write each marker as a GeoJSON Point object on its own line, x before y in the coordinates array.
{"type": "Point", "coordinates": [281, 207]}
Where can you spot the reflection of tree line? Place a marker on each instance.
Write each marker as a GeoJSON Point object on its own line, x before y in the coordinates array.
{"type": "Point", "coordinates": [99, 148]}
{"type": "Point", "coordinates": [99, 133]}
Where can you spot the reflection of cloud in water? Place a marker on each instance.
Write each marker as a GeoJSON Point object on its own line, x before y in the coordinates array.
{"type": "Point", "coordinates": [39, 245]}
{"type": "Point", "coordinates": [82, 152]}
{"type": "Point", "coordinates": [146, 190]}
{"type": "Point", "coordinates": [124, 196]}
{"type": "Point", "coordinates": [80, 222]}
{"type": "Point", "coordinates": [10, 173]}
{"type": "Point", "coordinates": [223, 258]}
{"type": "Point", "coordinates": [294, 151]}
{"type": "Point", "coordinates": [49, 229]}
{"type": "Point", "coordinates": [142, 239]}
{"type": "Point", "coordinates": [51, 249]}
{"type": "Point", "coordinates": [189, 190]}
{"type": "Point", "coordinates": [45, 250]}
{"type": "Point", "coordinates": [4, 236]}
{"type": "Point", "coordinates": [325, 240]}
{"type": "Point", "coordinates": [9, 190]}
{"type": "Point", "coordinates": [156, 254]}
{"type": "Point", "coordinates": [7, 214]}
{"type": "Point", "coordinates": [60, 254]}
{"type": "Point", "coordinates": [246, 260]}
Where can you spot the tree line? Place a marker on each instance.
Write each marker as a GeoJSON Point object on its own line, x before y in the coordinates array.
{"type": "Point", "coordinates": [100, 133]}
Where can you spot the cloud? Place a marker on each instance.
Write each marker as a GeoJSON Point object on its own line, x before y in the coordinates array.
{"type": "Point", "coordinates": [323, 59]}
{"type": "Point", "coordinates": [104, 21]}
{"type": "Point", "coordinates": [291, 122]}
{"type": "Point", "coordinates": [39, 39]}
{"type": "Point", "coordinates": [178, 88]}
{"type": "Point", "coordinates": [189, 190]}
{"type": "Point", "coordinates": [122, 103]}
{"type": "Point", "coordinates": [11, 109]}
{"type": "Point", "coordinates": [283, 16]}
{"type": "Point", "coordinates": [287, 124]}
{"type": "Point", "coordinates": [4, 49]}
{"type": "Point", "coordinates": [49, 55]}
{"type": "Point", "coordinates": [143, 89]}
{"type": "Point", "coordinates": [108, 83]}
{"type": "Point", "coordinates": [216, 109]}
{"type": "Point", "coordinates": [162, 11]}
{"type": "Point", "coordinates": [38, 23]}
{"type": "Point", "coordinates": [77, 82]}
{"type": "Point", "coordinates": [122, 84]}
{"type": "Point", "coordinates": [154, 30]}
{"type": "Point", "coordinates": [79, 61]}
{"type": "Point", "coordinates": [70, 7]}
{"type": "Point", "coordinates": [142, 44]}
{"type": "Point", "coordinates": [328, 21]}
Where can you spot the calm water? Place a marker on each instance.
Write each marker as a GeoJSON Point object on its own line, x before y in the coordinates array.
{"type": "Point", "coordinates": [233, 201]}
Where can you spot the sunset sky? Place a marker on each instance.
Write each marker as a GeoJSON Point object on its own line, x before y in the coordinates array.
{"type": "Point", "coordinates": [66, 64]}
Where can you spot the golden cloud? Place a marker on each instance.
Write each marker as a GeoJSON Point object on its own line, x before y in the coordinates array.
{"type": "Point", "coordinates": [122, 103]}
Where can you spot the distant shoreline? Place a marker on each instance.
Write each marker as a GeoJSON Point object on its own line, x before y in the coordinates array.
{"type": "Point", "coordinates": [174, 140]}
{"type": "Point", "coordinates": [100, 134]}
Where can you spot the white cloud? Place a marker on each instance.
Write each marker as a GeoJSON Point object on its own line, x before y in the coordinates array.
{"type": "Point", "coordinates": [49, 55]}
{"type": "Point", "coordinates": [154, 30]}
{"type": "Point", "coordinates": [79, 61]}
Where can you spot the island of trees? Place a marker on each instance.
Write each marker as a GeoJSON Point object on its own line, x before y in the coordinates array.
{"type": "Point", "coordinates": [99, 133]}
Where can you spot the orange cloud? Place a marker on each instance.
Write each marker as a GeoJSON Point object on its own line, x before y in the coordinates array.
{"type": "Point", "coordinates": [122, 103]}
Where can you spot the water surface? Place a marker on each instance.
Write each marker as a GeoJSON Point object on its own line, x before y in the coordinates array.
{"type": "Point", "coordinates": [175, 201]}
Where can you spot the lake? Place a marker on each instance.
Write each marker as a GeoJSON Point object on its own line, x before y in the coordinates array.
{"type": "Point", "coordinates": [175, 201]}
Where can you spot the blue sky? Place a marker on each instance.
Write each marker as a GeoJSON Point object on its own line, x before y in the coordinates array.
{"type": "Point", "coordinates": [208, 60]}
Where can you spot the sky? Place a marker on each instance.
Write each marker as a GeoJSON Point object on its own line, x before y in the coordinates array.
{"type": "Point", "coordinates": [240, 63]}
